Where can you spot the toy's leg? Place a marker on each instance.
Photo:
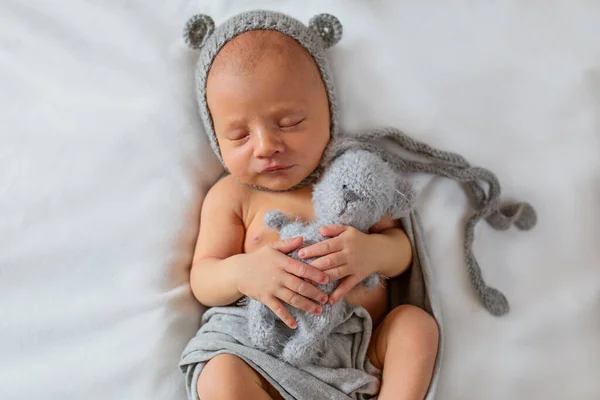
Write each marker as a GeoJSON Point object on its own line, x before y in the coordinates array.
{"type": "Point", "coordinates": [311, 335]}
{"type": "Point", "coordinates": [227, 377]}
{"type": "Point", "coordinates": [404, 346]}
{"type": "Point", "coordinates": [262, 328]}
{"type": "Point", "coordinates": [300, 349]}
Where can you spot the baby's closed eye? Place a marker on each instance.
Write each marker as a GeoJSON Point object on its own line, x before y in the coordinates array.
{"type": "Point", "coordinates": [238, 134]}
{"type": "Point", "coordinates": [291, 122]}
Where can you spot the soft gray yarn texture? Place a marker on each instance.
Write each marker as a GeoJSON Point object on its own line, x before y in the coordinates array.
{"type": "Point", "coordinates": [357, 189]}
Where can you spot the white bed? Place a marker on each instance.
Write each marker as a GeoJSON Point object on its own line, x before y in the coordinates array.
{"type": "Point", "coordinates": [103, 168]}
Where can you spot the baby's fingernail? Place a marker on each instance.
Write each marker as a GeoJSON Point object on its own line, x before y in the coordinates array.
{"type": "Point", "coordinates": [324, 299]}
{"type": "Point", "coordinates": [318, 310]}
{"type": "Point", "coordinates": [301, 254]}
{"type": "Point", "coordinates": [331, 300]}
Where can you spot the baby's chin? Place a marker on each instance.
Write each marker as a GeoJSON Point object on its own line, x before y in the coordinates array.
{"type": "Point", "coordinates": [277, 183]}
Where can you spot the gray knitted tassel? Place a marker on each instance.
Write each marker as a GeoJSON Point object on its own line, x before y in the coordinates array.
{"type": "Point", "coordinates": [453, 166]}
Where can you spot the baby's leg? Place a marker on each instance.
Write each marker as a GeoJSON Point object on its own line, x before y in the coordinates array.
{"type": "Point", "coordinates": [227, 377]}
{"type": "Point", "coordinates": [404, 346]}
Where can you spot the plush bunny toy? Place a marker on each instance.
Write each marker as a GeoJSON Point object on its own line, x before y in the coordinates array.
{"type": "Point", "coordinates": [357, 189]}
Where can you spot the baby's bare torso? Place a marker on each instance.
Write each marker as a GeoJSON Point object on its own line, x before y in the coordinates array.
{"type": "Point", "coordinates": [297, 203]}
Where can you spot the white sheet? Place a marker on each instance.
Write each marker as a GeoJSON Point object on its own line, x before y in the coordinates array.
{"type": "Point", "coordinates": [103, 169]}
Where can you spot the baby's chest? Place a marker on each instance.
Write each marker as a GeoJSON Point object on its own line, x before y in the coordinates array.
{"type": "Point", "coordinates": [294, 206]}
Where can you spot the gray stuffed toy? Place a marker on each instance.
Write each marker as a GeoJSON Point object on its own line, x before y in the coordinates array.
{"type": "Point", "coordinates": [358, 189]}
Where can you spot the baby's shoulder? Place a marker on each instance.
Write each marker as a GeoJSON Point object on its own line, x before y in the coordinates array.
{"type": "Point", "coordinates": [229, 192]}
{"type": "Point", "coordinates": [228, 185]}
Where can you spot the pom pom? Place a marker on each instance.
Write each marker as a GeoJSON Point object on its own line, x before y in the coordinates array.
{"type": "Point", "coordinates": [527, 217]}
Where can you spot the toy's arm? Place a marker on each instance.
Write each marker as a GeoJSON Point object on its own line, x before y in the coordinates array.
{"type": "Point", "coordinates": [404, 198]}
{"type": "Point", "coordinates": [287, 227]}
{"type": "Point", "coordinates": [275, 219]}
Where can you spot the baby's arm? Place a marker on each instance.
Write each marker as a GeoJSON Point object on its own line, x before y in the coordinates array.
{"type": "Point", "coordinates": [222, 273]}
{"type": "Point", "coordinates": [397, 256]}
{"type": "Point", "coordinates": [213, 276]}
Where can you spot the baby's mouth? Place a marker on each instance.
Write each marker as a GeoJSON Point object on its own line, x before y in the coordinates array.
{"type": "Point", "coordinates": [277, 168]}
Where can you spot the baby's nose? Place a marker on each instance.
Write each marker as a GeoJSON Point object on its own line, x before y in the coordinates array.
{"type": "Point", "coordinates": [267, 144]}
{"type": "Point", "coordinates": [350, 196]}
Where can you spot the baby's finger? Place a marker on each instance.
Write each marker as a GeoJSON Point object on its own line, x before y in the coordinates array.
{"type": "Point", "coordinates": [304, 288]}
{"type": "Point", "coordinates": [285, 246]}
{"type": "Point", "coordinates": [330, 261]}
{"type": "Point", "coordinates": [332, 230]}
{"type": "Point", "coordinates": [322, 248]}
{"type": "Point", "coordinates": [339, 272]}
{"type": "Point", "coordinates": [277, 307]}
{"type": "Point", "coordinates": [344, 288]}
{"type": "Point", "coordinates": [298, 301]}
{"type": "Point", "coordinates": [304, 270]}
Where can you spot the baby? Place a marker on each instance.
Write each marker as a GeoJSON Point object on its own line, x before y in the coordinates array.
{"type": "Point", "coordinates": [269, 110]}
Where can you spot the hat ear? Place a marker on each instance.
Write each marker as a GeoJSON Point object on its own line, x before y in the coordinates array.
{"type": "Point", "coordinates": [328, 27]}
{"type": "Point", "coordinates": [197, 30]}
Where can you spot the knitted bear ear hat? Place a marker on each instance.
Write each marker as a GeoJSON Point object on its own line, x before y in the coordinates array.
{"type": "Point", "coordinates": [322, 32]}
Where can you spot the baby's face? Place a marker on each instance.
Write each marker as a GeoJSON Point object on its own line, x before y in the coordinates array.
{"type": "Point", "coordinates": [269, 108]}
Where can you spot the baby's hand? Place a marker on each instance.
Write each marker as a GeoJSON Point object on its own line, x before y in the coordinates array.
{"type": "Point", "coordinates": [269, 276]}
{"type": "Point", "coordinates": [349, 255]}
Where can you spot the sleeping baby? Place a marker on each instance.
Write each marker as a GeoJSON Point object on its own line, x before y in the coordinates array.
{"type": "Point", "coordinates": [268, 105]}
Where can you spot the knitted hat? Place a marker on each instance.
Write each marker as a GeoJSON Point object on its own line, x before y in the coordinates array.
{"type": "Point", "coordinates": [322, 32]}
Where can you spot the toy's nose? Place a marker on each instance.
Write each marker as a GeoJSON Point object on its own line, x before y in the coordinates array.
{"type": "Point", "coordinates": [350, 196]}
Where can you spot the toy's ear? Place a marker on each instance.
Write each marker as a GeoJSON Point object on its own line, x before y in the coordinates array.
{"type": "Point", "coordinates": [328, 27]}
{"type": "Point", "coordinates": [197, 30]}
{"type": "Point", "coordinates": [404, 199]}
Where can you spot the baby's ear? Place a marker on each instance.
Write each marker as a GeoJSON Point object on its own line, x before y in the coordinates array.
{"type": "Point", "coordinates": [197, 30]}
{"type": "Point", "coordinates": [328, 27]}
{"type": "Point", "coordinates": [404, 199]}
